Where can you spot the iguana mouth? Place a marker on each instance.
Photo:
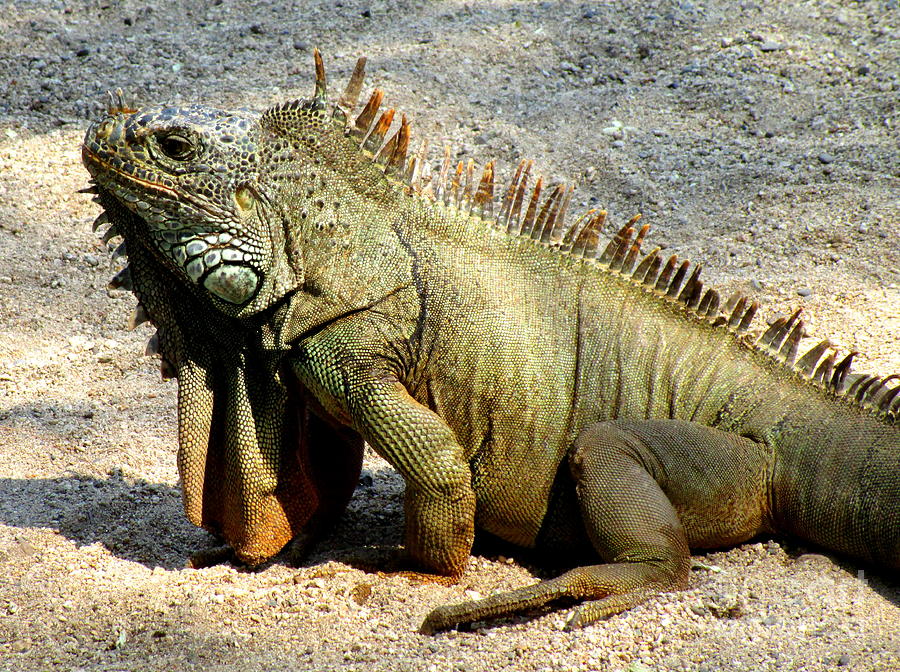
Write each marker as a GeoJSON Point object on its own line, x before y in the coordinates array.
{"type": "Point", "coordinates": [101, 165]}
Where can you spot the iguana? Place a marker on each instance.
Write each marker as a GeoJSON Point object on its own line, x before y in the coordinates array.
{"type": "Point", "coordinates": [314, 285]}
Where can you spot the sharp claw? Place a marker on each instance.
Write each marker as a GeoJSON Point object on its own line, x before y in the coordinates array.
{"type": "Point", "coordinates": [138, 317]}
{"type": "Point", "coordinates": [152, 345]}
{"type": "Point", "coordinates": [121, 280]}
{"type": "Point", "coordinates": [111, 233]}
{"type": "Point", "coordinates": [119, 252]}
{"type": "Point", "coordinates": [167, 370]}
{"type": "Point", "coordinates": [102, 219]}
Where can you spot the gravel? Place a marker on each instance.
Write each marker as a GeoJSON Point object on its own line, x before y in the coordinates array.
{"type": "Point", "coordinates": [725, 123]}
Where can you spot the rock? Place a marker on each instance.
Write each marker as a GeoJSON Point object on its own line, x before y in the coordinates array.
{"type": "Point", "coordinates": [726, 605]}
{"type": "Point", "coordinates": [771, 45]}
{"type": "Point", "coordinates": [804, 291]}
{"type": "Point", "coordinates": [825, 157]}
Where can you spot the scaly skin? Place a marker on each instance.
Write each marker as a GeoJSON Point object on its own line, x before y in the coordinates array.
{"type": "Point", "coordinates": [520, 381]}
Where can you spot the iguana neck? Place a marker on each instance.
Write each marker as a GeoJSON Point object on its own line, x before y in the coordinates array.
{"type": "Point", "coordinates": [349, 245]}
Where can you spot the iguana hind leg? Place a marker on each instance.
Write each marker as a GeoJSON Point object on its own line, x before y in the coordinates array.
{"type": "Point", "coordinates": [647, 490]}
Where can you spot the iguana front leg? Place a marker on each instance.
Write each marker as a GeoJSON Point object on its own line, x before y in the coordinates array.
{"type": "Point", "coordinates": [351, 381]}
{"type": "Point", "coordinates": [647, 490]}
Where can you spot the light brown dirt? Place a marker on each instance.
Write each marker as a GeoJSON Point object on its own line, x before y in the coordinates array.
{"type": "Point", "coordinates": [760, 138]}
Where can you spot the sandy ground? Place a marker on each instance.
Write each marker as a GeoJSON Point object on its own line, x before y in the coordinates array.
{"type": "Point", "coordinates": [758, 137]}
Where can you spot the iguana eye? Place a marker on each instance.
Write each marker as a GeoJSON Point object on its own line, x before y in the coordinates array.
{"type": "Point", "coordinates": [176, 147]}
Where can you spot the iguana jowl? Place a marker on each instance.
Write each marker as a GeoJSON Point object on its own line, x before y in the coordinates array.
{"type": "Point", "coordinates": [312, 287]}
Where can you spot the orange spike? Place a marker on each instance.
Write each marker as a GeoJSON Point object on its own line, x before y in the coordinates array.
{"type": "Point", "coordinates": [528, 222]}
{"type": "Point", "coordinates": [321, 86]}
{"type": "Point", "coordinates": [662, 282]}
{"type": "Point", "coordinates": [398, 156]}
{"type": "Point", "coordinates": [621, 239]}
{"type": "Point", "coordinates": [635, 249]}
{"type": "Point", "coordinates": [385, 153]}
{"type": "Point", "coordinates": [589, 239]}
{"type": "Point", "coordinates": [560, 226]}
{"type": "Point", "coordinates": [376, 137]}
{"type": "Point", "coordinates": [364, 120]}
{"type": "Point", "coordinates": [514, 225]}
{"type": "Point", "coordinates": [484, 196]}
{"type": "Point", "coordinates": [575, 230]}
{"type": "Point", "coordinates": [506, 207]}
{"type": "Point", "coordinates": [441, 191]}
{"type": "Point", "coordinates": [615, 263]}
{"type": "Point", "coordinates": [470, 183]}
{"type": "Point", "coordinates": [456, 184]}
{"type": "Point", "coordinates": [354, 86]}
{"type": "Point", "coordinates": [544, 224]}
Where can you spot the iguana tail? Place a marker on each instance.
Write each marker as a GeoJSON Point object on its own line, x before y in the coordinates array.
{"type": "Point", "coordinates": [837, 483]}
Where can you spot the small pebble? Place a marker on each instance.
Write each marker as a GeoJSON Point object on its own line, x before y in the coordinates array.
{"type": "Point", "coordinates": [771, 45]}
{"type": "Point", "coordinates": [825, 157]}
{"type": "Point", "coordinates": [804, 291]}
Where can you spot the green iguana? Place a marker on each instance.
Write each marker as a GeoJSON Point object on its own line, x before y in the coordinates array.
{"type": "Point", "coordinates": [314, 287]}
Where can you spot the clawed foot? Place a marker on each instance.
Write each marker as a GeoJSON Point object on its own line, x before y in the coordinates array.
{"type": "Point", "coordinates": [209, 557]}
{"type": "Point", "coordinates": [422, 578]}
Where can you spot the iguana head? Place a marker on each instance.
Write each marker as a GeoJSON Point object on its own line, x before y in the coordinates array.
{"type": "Point", "coordinates": [248, 208]}
{"type": "Point", "coordinates": [190, 174]}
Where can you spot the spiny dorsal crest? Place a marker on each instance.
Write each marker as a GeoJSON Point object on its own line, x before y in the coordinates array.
{"type": "Point", "coordinates": [526, 211]}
